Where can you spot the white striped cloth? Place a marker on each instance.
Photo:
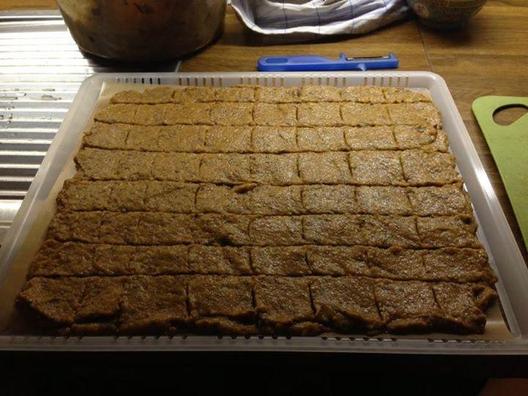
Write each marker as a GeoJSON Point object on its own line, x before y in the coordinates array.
{"type": "Point", "coordinates": [323, 17]}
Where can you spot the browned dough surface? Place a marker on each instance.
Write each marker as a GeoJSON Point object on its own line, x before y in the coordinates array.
{"type": "Point", "coordinates": [262, 210]}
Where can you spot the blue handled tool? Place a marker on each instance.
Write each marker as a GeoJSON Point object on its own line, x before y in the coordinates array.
{"type": "Point", "coordinates": [320, 63]}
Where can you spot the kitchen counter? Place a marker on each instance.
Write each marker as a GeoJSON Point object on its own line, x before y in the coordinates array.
{"type": "Point", "coordinates": [488, 57]}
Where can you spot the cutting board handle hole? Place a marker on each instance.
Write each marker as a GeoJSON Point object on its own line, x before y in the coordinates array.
{"type": "Point", "coordinates": [508, 114]}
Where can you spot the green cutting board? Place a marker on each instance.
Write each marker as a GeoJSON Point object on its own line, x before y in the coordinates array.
{"type": "Point", "coordinates": [509, 146]}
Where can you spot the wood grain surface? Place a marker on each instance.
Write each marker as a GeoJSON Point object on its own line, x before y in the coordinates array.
{"type": "Point", "coordinates": [487, 57]}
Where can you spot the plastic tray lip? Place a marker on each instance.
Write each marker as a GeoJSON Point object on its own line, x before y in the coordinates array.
{"type": "Point", "coordinates": [89, 92]}
{"type": "Point", "coordinates": [380, 345]}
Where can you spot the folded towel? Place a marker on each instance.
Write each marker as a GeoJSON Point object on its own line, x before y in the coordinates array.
{"type": "Point", "coordinates": [323, 17]}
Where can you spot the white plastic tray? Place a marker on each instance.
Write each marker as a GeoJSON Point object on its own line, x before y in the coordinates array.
{"type": "Point", "coordinates": [494, 231]}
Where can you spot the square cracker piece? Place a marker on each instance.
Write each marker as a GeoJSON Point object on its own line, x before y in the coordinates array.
{"type": "Point", "coordinates": [423, 114]}
{"type": "Point", "coordinates": [406, 306]}
{"type": "Point", "coordinates": [78, 226]}
{"type": "Point", "coordinates": [63, 259]}
{"type": "Point", "coordinates": [277, 94]}
{"type": "Point", "coordinates": [135, 165]}
{"type": "Point", "coordinates": [228, 139]}
{"type": "Point", "coordinates": [275, 114]}
{"type": "Point", "coordinates": [383, 200]}
{"type": "Point", "coordinates": [189, 113]}
{"type": "Point", "coordinates": [148, 228]}
{"type": "Point", "coordinates": [116, 113]}
{"type": "Point", "coordinates": [403, 95]}
{"type": "Point", "coordinates": [152, 114]}
{"type": "Point", "coordinates": [422, 168]}
{"type": "Point", "coordinates": [56, 299]}
{"type": "Point", "coordinates": [277, 169]}
{"type": "Point", "coordinates": [388, 231]}
{"type": "Point", "coordinates": [458, 265]}
{"type": "Point", "coordinates": [370, 138]}
{"type": "Point", "coordinates": [376, 168]}
{"type": "Point", "coordinates": [225, 113]}
{"type": "Point", "coordinates": [112, 260]}
{"type": "Point", "coordinates": [224, 296]}
{"type": "Point", "coordinates": [276, 230]}
{"type": "Point", "coordinates": [362, 94]}
{"type": "Point", "coordinates": [282, 302]}
{"type": "Point", "coordinates": [98, 164]}
{"type": "Point", "coordinates": [225, 168]}
{"type": "Point", "coordinates": [140, 260]}
{"type": "Point", "coordinates": [319, 93]}
{"type": "Point", "coordinates": [439, 201]}
{"type": "Point", "coordinates": [454, 231]}
{"type": "Point", "coordinates": [347, 303]}
{"type": "Point", "coordinates": [180, 167]}
{"type": "Point", "coordinates": [108, 136]}
{"type": "Point", "coordinates": [193, 94]}
{"type": "Point", "coordinates": [338, 260]}
{"type": "Point", "coordinates": [397, 263]}
{"type": "Point", "coordinates": [250, 199]}
{"type": "Point", "coordinates": [363, 114]}
{"type": "Point", "coordinates": [147, 96]}
{"type": "Point", "coordinates": [220, 229]}
{"type": "Point", "coordinates": [319, 114]}
{"type": "Point", "coordinates": [101, 300]}
{"type": "Point", "coordinates": [462, 311]}
{"type": "Point", "coordinates": [275, 200]}
{"type": "Point", "coordinates": [321, 139]}
{"type": "Point", "coordinates": [79, 194]}
{"type": "Point", "coordinates": [272, 260]}
{"type": "Point", "coordinates": [382, 231]}
{"type": "Point", "coordinates": [219, 260]}
{"type": "Point", "coordinates": [235, 94]}
{"type": "Point", "coordinates": [153, 304]}
{"type": "Point", "coordinates": [169, 197]}
{"type": "Point", "coordinates": [185, 138]}
{"type": "Point", "coordinates": [220, 198]}
{"type": "Point", "coordinates": [274, 139]}
{"type": "Point", "coordinates": [143, 138]}
{"type": "Point", "coordinates": [416, 136]}
{"type": "Point", "coordinates": [331, 167]}
{"type": "Point", "coordinates": [322, 198]}
{"type": "Point", "coordinates": [127, 195]}
{"type": "Point", "coordinates": [332, 229]}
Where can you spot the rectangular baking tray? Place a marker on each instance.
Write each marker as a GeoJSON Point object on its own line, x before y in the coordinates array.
{"type": "Point", "coordinates": [494, 231]}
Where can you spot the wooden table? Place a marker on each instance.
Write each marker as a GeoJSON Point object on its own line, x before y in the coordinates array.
{"type": "Point", "coordinates": [488, 57]}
